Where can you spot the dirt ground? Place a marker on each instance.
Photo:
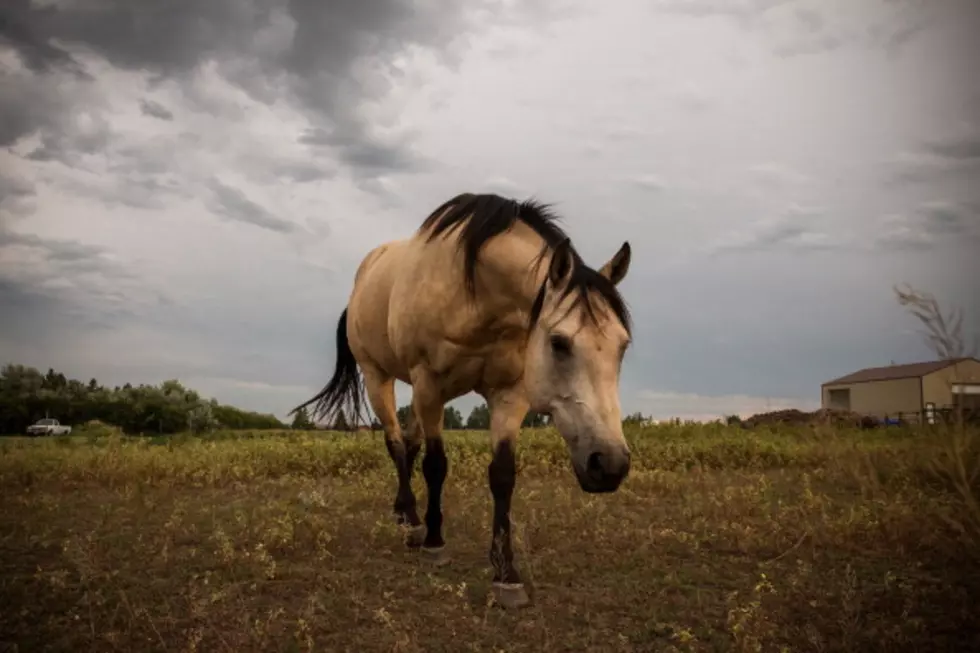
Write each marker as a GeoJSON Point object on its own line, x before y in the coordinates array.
{"type": "Point", "coordinates": [718, 541]}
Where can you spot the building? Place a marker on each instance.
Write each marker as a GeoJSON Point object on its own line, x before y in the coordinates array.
{"type": "Point", "coordinates": [908, 391]}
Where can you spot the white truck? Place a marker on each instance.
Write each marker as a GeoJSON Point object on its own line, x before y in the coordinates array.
{"type": "Point", "coordinates": [48, 426]}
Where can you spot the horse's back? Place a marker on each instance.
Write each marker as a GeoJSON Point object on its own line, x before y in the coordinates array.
{"type": "Point", "coordinates": [409, 304]}
{"type": "Point", "coordinates": [428, 299]}
{"type": "Point", "coordinates": [410, 307]}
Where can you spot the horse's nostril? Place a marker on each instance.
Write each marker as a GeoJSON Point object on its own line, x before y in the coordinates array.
{"type": "Point", "coordinates": [602, 471]}
{"type": "Point", "coordinates": [594, 465]}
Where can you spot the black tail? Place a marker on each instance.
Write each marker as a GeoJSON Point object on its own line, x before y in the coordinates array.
{"type": "Point", "coordinates": [345, 389]}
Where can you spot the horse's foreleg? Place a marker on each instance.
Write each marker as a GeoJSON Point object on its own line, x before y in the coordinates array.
{"type": "Point", "coordinates": [428, 407]}
{"type": "Point", "coordinates": [507, 411]}
{"type": "Point", "coordinates": [403, 450]}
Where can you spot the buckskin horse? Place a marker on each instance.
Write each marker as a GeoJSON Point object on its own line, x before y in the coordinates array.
{"type": "Point", "coordinates": [488, 295]}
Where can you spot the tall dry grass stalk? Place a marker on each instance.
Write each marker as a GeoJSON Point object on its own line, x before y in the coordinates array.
{"type": "Point", "coordinates": [944, 333]}
{"type": "Point", "coordinates": [958, 464]}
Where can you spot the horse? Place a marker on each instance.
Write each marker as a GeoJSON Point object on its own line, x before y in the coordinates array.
{"type": "Point", "coordinates": [488, 295]}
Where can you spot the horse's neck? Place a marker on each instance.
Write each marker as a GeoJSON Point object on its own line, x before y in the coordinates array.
{"type": "Point", "coordinates": [508, 266]}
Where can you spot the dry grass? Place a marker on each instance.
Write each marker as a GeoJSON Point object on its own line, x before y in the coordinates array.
{"type": "Point", "coordinates": [720, 540]}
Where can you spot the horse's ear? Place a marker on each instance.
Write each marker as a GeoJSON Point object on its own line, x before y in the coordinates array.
{"type": "Point", "coordinates": [616, 268]}
{"type": "Point", "coordinates": [561, 263]}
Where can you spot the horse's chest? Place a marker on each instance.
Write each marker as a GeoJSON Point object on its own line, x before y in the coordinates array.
{"type": "Point", "coordinates": [504, 367]}
{"type": "Point", "coordinates": [460, 377]}
{"type": "Point", "coordinates": [462, 369]}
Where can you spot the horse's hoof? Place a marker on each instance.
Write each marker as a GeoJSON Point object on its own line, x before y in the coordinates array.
{"type": "Point", "coordinates": [510, 596]}
{"type": "Point", "coordinates": [435, 556]}
{"type": "Point", "coordinates": [414, 536]}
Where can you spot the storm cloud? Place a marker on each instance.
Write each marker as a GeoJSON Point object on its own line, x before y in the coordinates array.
{"type": "Point", "coordinates": [331, 58]}
{"type": "Point", "coordinates": [187, 187]}
{"type": "Point", "coordinates": [155, 109]}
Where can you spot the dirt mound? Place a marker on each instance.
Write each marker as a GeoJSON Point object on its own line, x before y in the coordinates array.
{"type": "Point", "coordinates": [788, 417]}
{"type": "Point", "coordinates": [844, 418]}
{"type": "Point", "coordinates": [823, 416]}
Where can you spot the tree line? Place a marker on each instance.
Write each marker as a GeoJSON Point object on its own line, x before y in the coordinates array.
{"type": "Point", "coordinates": [479, 419]}
{"type": "Point", "coordinates": [27, 395]}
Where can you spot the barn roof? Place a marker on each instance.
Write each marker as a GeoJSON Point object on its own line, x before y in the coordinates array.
{"type": "Point", "coordinates": [891, 372]}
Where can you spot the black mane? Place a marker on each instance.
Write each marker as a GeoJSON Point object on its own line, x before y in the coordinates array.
{"type": "Point", "coordinates": [484, 216]}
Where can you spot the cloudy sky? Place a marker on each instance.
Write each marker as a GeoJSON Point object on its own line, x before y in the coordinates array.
{"type": "Point", "coordinates": [186, 187]}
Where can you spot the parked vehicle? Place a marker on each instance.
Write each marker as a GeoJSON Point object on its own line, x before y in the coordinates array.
{"type": "Point", "coordinates": [48, 426]}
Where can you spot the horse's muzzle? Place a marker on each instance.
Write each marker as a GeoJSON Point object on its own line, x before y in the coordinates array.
{"type": "Point", "coordinates": [604, 470]}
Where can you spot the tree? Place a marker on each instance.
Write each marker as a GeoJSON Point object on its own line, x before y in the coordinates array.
{"type": "Point", "coordinates": [402, 415]}
{"type": "Point", "coordinates": [302, 421]}
{"type": "Point", "coordinates": [26, 395]}
{"type": "Point", "coordinates": [200, 418]}
{"type": "Point", "coordinates": [54, 380]}
{"type": "Point", "coordinates": [533, 420]}
{"type": "Point", "coordinates": [479, 419]}
{"type": "Point", "coordinates": [634, 418]}
{"type": "Point", "coordinates": [340, 424]}
{"type": "Point", "coordinates": [452, 419]}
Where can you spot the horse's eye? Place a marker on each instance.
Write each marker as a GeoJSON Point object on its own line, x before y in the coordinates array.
{"type": "Point", "coordinates": [561, 345]}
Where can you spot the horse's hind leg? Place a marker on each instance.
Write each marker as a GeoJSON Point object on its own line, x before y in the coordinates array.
{"type": "Point", "coordinates": [403, 450]}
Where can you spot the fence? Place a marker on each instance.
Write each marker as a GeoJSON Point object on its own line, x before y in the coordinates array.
{"type": "Point", "coordinates": [945, 415]}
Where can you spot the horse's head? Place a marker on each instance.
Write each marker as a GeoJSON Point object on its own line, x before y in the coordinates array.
{"type": "Point", "coordinates": [578, 337]}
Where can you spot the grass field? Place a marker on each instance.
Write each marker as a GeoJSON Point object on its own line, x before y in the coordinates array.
{"type": "Point", "coordinates": [721, 539]}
